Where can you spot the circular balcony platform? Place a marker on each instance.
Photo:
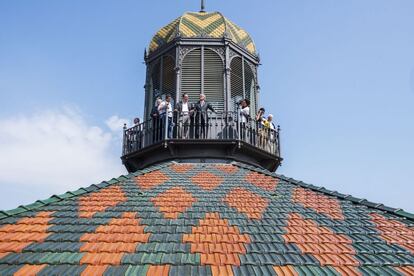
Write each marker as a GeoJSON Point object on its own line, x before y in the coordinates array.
{"type": "Point", "coordinates": [220, 137]}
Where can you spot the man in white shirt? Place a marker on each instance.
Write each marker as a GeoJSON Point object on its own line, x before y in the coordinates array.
{"type": "Point", "coordinates": [244, 118]}
{"type": "Point", "coordinates": [185, 110]}
{"type": "Point", "coordinates": [166, 111]}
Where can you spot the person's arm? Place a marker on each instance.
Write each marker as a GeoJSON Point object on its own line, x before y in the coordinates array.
{"type": "Point", "coordinates": [211, 108]}
{"type": "Point", "coordinates": [162, 106]}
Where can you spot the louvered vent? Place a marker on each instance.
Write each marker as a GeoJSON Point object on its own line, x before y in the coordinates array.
{"type": "Point", "coordinates": [155, 79]}
{"type": "Point", "coordinates": [168, 75]}
{"type": "Point", "coordinates": [214, 79]}
{"type": "Point", "coordinates": [191, 75]}
{"type": "Point", "coordinates": [250, 87]}
{"type": "Point", "coordinates": [236, 82]}
{"type": "Point", "coordinates": [154, 85]}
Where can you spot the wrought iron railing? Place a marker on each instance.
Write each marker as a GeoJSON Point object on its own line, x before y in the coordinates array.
{"type": "Point", "coordinates": [221, 126]}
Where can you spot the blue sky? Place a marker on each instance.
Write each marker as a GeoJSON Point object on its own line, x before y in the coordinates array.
{"type": "Point", "coordinates": [338, 75]}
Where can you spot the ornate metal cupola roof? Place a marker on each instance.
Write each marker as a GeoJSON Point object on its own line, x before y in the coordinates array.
{"type": "Point", "coordinates": [202, 25]}
{"type": "Point", "coordinates": [201, 53]}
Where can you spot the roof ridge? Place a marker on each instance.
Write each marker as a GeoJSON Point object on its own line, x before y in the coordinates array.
{"type": "Point", "coordinates": [362, 201]}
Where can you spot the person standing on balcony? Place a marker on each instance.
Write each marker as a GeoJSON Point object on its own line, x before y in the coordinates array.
{"type": "Point", "coordinates": [259, 126]}
{"type": "Point", "coordinates": [166, 113]}
{"type": "Point", "coordinates": [201, 118]}
{"type": "Point", "coordinates": [270, 129]}
{"type": "Point", "coordinates": [185, 110]}
{"type": "Point", "coordinates": [155, 116]}
{"type": "Point", "coordinates": [244, 117]}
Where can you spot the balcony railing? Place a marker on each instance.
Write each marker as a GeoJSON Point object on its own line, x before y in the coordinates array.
{"type": "Point", "coordinates": [201, 127]}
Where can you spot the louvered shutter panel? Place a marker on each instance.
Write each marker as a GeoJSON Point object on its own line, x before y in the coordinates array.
{"type": "Point", "coordinates": [191, 75]}
{"type": "Point", "coordinates": [155, 80]}
{"type": "Point", "coordinates": [168, 75]}
{"type": "Point", "coordinates": [236, 82]}
{"type": "Point", "coordinates": [213, 79]}
{"type": "Point", "coordinates": [250, 87]}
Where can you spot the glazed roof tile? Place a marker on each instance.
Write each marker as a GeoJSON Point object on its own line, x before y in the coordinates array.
{"type": "Point", "coordinates": [202, 25]}
{"type": "Point", "coordinates": [205, 219]}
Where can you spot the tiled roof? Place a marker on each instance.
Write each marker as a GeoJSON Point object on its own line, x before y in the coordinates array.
{"type": "Point", "coordinates": [205, 219]}
{"type": "Point", "coordinates": [205, 25]}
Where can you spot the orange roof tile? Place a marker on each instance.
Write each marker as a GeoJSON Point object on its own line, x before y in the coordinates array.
{"type": "Point", "coordinates": [150, 180]}
{"type": "Point", "coordinates": [249, 203]}
{"type": "Point", "coordinates": [100, 200]}
{"type": "Point", "coordinates": [173, 202]}
{"type": "Point", "coordinates": [206, 180]}
{"type": "Point", "coordinates": [318, 202]}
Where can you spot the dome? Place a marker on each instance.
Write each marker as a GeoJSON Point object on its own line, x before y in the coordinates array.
{"type": "Point", "coordinates": [202, 24]}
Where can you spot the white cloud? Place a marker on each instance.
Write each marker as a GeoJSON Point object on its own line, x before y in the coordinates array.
{"type": "Point", "coordinates": [54, 151]}
{"type": "Point", "coordinates": [116, 124]}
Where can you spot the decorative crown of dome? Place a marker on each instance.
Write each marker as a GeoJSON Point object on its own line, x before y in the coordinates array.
{"type": "Point", "coordinates": [202, 25]}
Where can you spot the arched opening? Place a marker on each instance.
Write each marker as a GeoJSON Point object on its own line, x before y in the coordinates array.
{"type": "Point", "coordinates": [204, 75]}
{"type": "Point", "coordinates": [191, 74]}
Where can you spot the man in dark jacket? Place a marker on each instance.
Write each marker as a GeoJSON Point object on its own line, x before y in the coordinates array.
{"type": "Point", "coordinates": [185, 111]}
{"type": "Point", "coordinates": [201, 118]}
{"type": "Point", "coordinates": [156, 124]}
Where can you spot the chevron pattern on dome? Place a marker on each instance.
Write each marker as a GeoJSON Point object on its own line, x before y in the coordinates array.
{"type": "Point", "coordinates": [202, 24]}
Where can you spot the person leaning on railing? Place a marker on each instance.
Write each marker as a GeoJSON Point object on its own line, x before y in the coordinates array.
{"type": "Point", "coordinates": [185, 110]}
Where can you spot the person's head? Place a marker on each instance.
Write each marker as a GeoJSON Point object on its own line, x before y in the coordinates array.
{"type": "Point", "coordinates": [185, 97]}
{"type": "Point", "coordinates": [136, 121]}
{"type": "Point", "coordinates": [158, 101]}
{"type": "Point", "coordinates": [168, 98]}
{"type": "Point", "coordinates": [244, 103]}
{"type": "Point", "coordinates": [262, 110]}
{"type": "Point", "coordinates": [202, 97]}
{"type": "Point", "coordinates": [270, 117]}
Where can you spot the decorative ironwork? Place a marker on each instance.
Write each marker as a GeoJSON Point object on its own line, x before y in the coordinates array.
{"type": "Point", "coordinates": [183, 52]}
{"type": "Point", "coordinates": [219, 50]}
{"type": "Point", "coordinates": [220, 126]}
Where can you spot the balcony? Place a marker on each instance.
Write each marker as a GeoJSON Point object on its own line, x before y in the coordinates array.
{"type": "Point", "coordinates": [202, 138]}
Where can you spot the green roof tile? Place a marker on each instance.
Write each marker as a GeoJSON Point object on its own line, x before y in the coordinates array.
{"type": "Point", "coordinates": [162, 240]}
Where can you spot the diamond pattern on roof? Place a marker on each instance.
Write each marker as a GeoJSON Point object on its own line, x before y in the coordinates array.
{"type": "Point", "coordinates": [218, 243]}
{"type": "Point", "coordinates": [227, 168]}
{"type": "Point", "coordinates": [394, 232]}
{"type": "Point", "coordinates": [173, 202]}
{"type": "Point", "coordinates": [206, 180]}
{"type": "Point", "coordinates": [262, 181]}
{"type": "Point", "coordinates": [99, 201]}
{"type": "Point", "coordinates": [322, 243]}
{"type": "Point", "coordinates": [28, 230]}
{"type": "Point", "coordinates": [318, 202]}
{"type": "Point", "coordinates": [178, 228]}
{"type": "Point", "coordinates": [151, 180]}
{"type": "Point", "coordinates": [108, 244]}
{"type": "Point", "coordinates": [181, 168]}
{"type": "Point", "coordinates": [249, 203]}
